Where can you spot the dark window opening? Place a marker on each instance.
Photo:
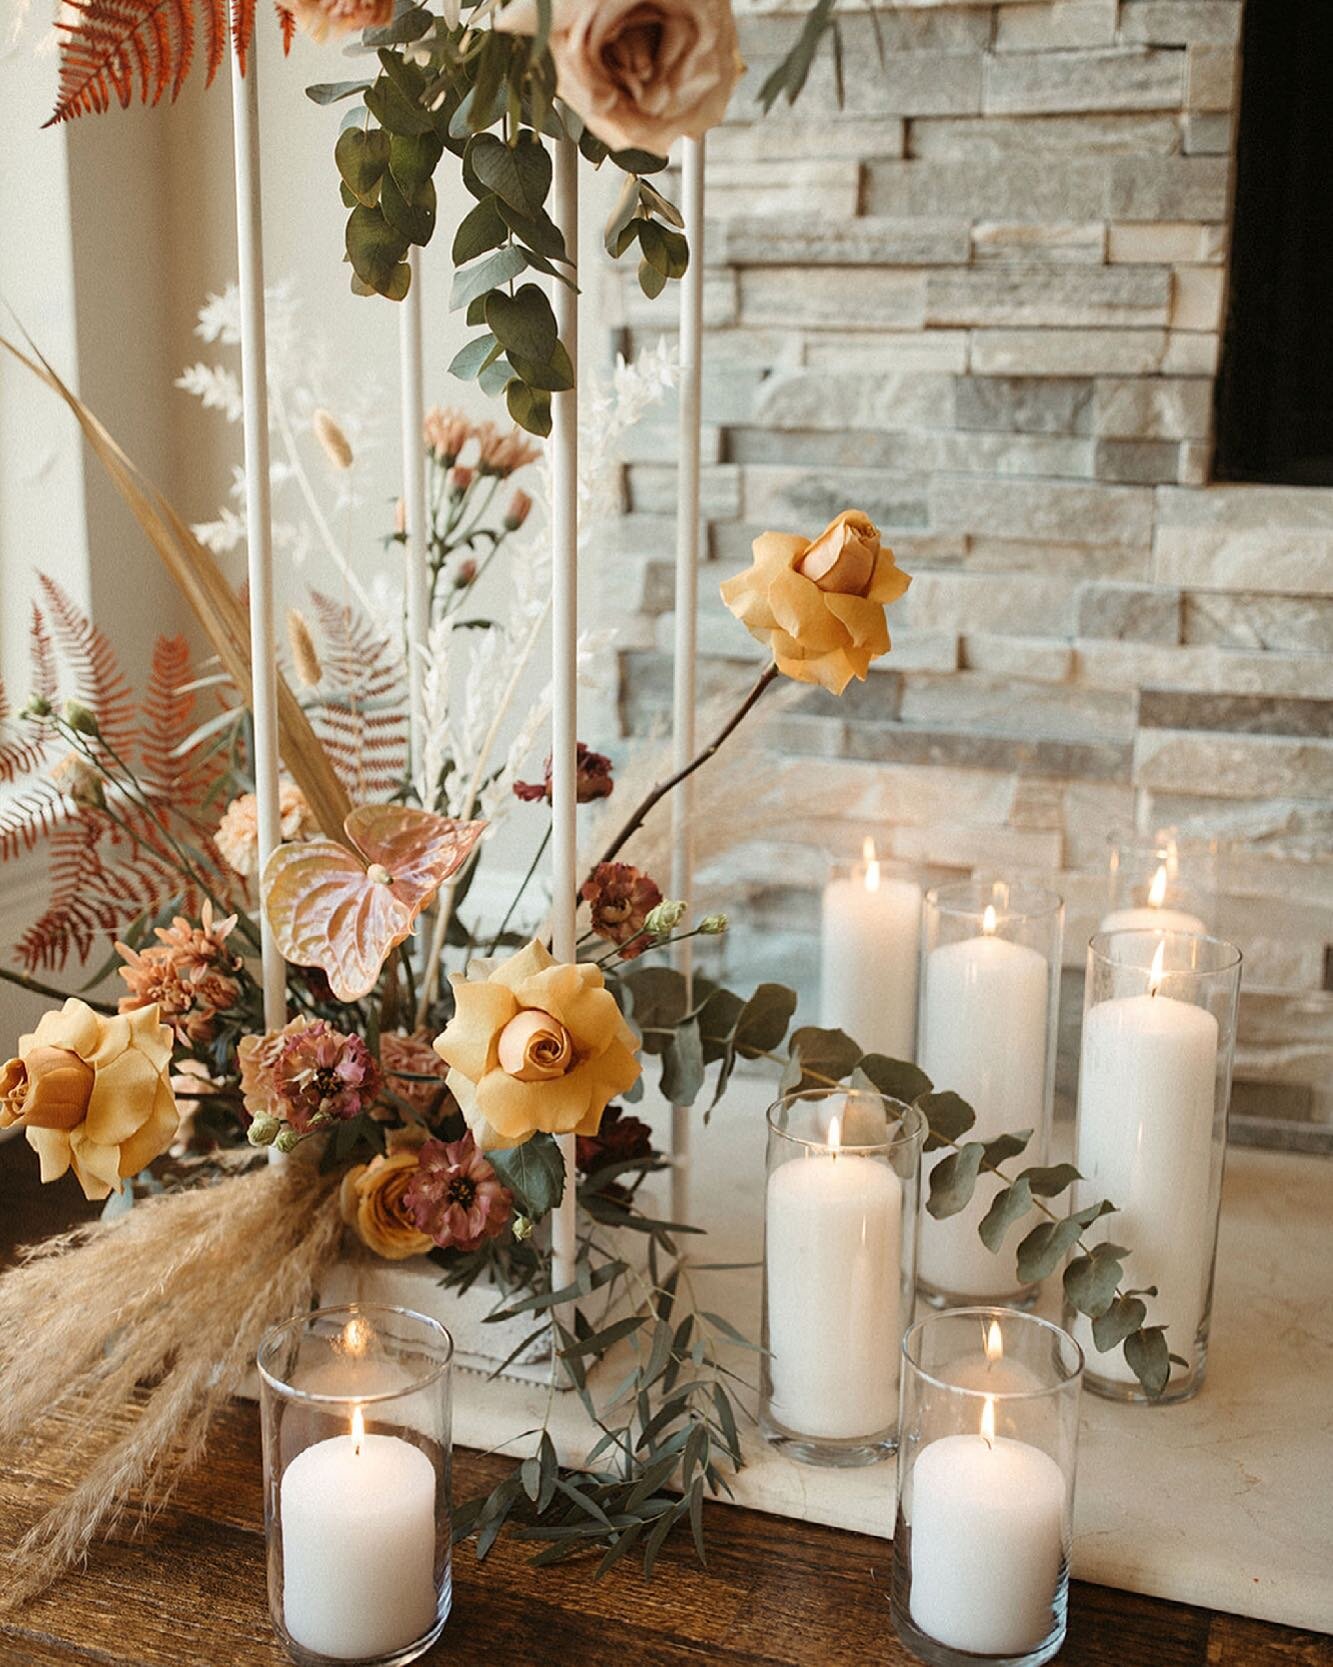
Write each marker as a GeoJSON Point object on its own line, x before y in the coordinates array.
{"type": "Point", "coordinates": [1275, 390]}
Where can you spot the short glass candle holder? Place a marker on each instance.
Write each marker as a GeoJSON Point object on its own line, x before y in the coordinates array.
{"type": "Point", "coordinates": [1164, 881]}
{"type": "Point", "coordinates": [990, 997]}
{"type": "Point", "coordinates": [986, 1462]}
{"type": "Point", "coordinates": [1159, 1036]}
{"type": "Point", "coordinates": [869, 950]}
{"type": "Point", "coordinates": [355, 1407]}
{"type": "Point", "coordinates": [840, 1226]}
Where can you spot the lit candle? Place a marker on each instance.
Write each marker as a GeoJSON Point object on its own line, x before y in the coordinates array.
{"type": "Point", "coordinates": [1155, 917]}
{"type": "Point", "coordinates": [833, 1248]}
{"type": "Point", "coordinates": [987, 1541]}
{"type": "Point", "coordinates": [984, 1018]}
{"type": "Point", "coordinates": [990, 1371]}
{"type": "Point", "coordinates": [869, 943]}
{"type": "Point", "coordinates": [358, 1545]}
{"type": "Point", "coordinates": [1147, 1089]}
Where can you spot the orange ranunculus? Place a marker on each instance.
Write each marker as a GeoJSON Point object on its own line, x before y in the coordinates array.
{"type": "Point", "coordinates": [92, 1094]}
{"type": "Point", "coordinates": [535, 1044]}
{"type": "Point", "coordinates": [820, 606]}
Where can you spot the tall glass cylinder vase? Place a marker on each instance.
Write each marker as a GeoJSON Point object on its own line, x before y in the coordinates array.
{"type": "Point", "coordinates": [840, 1222]}
{"type": "Point", "coordinates": [1159, 1036]}
{"type": "Point", "coordinates": [869, 949]}
{"type": "Point", "coordinates": [986, 1466]}
{"type": "Point", "coordinates": [355, 1408]}
{"type": "Point", "coordinates": [1164, 881]}
{"type": "Point", "coordinates": [990, 994]}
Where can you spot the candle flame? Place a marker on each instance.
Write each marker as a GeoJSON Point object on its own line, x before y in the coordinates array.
{"type": "Point", "coordinates": [994, 1343]}
{"type": "Point", "coordinates": [870, 857]}
{"type": "Point", "coordinates": [358, 1430]}
{"type": "Point", "coordinates": [872, 876]}
{"type": "Point", "coordinates": [1157, 890]}
{"type": "Point", "coordinates": [1155, 975]}
{"type": "Point", "coordinates": [989, 920]}
{"type": "Point", "coordinates": [988, 1420]}
{"type": "Point", "coordinates": [835, 1133]}
{"type": "Point", "coordinates": [356, 1335]}
{"type": "Point", "coordinates": [868, 852]}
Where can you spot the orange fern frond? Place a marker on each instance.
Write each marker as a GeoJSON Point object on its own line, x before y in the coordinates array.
{"type": "Point", "coordinates": [111, 43]}
{"type": "Point", "coordinates": [362, 718]}
{"type": "Point", "coordinates": [242, 29]}
{"type": "Point", "coordinates": [43, 655]}
{"type": "Point", "coordinates": [22, 753]}
{"type": "Point", "coordinates": [287, 23]}
{"type": "Point", "coordinates": [27, 817]}
{"type": "Point", "coordinates": [98, 680]}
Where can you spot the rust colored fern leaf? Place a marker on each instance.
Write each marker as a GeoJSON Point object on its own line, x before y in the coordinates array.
{"type": "Point", "coordinates": [362, 717]}
{"type": "Point", "coordinates": [98, 680]}
{"type": "Point", "coordinates": [287, 23]}
{"type": "Point", "coordinates": [108, 45]}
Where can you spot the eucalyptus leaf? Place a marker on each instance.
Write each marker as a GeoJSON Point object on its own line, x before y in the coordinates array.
{"type": "Point", "coordinates": [361, 159]}
{"type": "Point", "coordinates": [762, 1022]}
{"type": "Point", "coordinates": [376, 252]}
{"type": "Point", "coordinates": [953, 1180]}
{"type": "Point", "coordinates": [1147, 1356]}
{"type": "Point", "coordinates": [409, 25]}
{"type": "Point", "coordinates": [664, 250]}
{"type": "Point", "coordinates": [468, 362]}
{"type": "Point", "coordinates": [683, 1065]}
{"type": "Point", "coordinates": [1040, 1252]}
{"type": "Point", "coordinates": [520, 174]}
{"type": "Point", "coordinates": [331, 92]}
{"type": "Point", "coordinates": [556, 374]}
{"type": "Point", "coordinates": [529, 407]}
{"type": "Point", "coordinates": [1047, 1180]}
{"type": "Point", "coordinates": [948, 1114]}
{"type": "Point", "coordinates": [651, 281]}
{"type": "Point", "coordinates": [897, 1079]}
{"type": "Point", "coordinates": [413, 159]}
{"type": "Point", "coordinates": [534, 1172]}
{"type": "Point", "coordinates": [1090, 1281]}
{"type": "Point", "coordinates": [394, 111]}
{"type": "Point", "coordinates": [717, 1020]}
{"type": "Point", "coordinates": [663, 207]}
{"type": "Point", "coordinates": [538, 231]}
{"type": "Point", "coordinates": [414, 219]}
{"type": "Point", "coordinates": [660, 998]}
{"type": "Point", "coordinates": [1125, 1314]}
{"type": "Point", "coordinates": [495, 377]}
{"type": "Point", "coordinates": [638, 161]}
{"type": "Point", "coordinates": [627, 204]}
{"type": "Point", "coordinates": [523, 323]}
{"type": "Point", "coordinates": [473, 281]}
{"type": "Point", "coordinates": [815, 1053]}
{"type": "Point", "coordinates": [1009, 1205]}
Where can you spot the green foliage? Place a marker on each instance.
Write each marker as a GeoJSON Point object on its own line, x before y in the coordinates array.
{"type": "Point", "coordinates": [534, 1173]}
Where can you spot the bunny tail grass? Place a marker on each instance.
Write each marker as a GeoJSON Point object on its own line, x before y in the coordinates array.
{"type": "Point", "coordinates": [118, 1344]}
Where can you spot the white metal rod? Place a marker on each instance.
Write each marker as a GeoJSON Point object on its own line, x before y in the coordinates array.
{"type": "Point", "coordinates": [414, 497]}
{"type": "Point", "coordinates": [258, 513]}
{"type": "Point", "coordinates": [688, 538]}
{"type": "Point", "coordinates": [564, 456]}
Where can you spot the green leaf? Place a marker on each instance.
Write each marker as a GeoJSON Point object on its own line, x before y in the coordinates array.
{"type": "Point", "coordinates": [1124, 1315]}
{"type": "Point", "coordinates": [1006, 1146]}
{"type": "Point", "coordinates": [658, 995]}
{"type": "Point", "coordinates": [651, 281]}
{"type": "Point", "coordinates": [414, 220]}
{"type": "Point", "coordinates": [1046, 1181]}
{"type": "Point", "coordinates": [1147, 1356]}
{"type": "Point", "coordinates": [495, 377]}
{"type": "Point", "coordinates": [898, 1080]}
{"type": "Point", "coordinates": [953, 1180]}
{"type": "Point", "coordinates": [376, 252]}
{"type": "Point", "coordinates": [469, 361]}
{"type": "Point", "coordinates": [625, 237]}
{"type": "Point", "coordinates": [638, 161]}
{"type": "Point", "coordinates": [664, 250]}
{"type": "Point", "coordinates": [349, 198]}
{"type": "Point", "coordinates": [519, 174]}
{"type": "Point", "coordinates": [790, 75]}
{"type": "Point", "coordinates": [413, 159]}
{"type": "Point", "coordinates": [480, 229]}
{"type": "Point", "coordinates": [529, 407]}
{"type": "Point", "coordinates": [627, 206]}
{"type": "Point", "coordinates": [538, 231]}
{"type": "Point", "coordinates": [762, 1022]}
{"type": "Point", "coordinates": [1040, 1252]}
{"type": "Point", "coordinates": [394, 111]}
{"type": "Point", "coordinates": [410, 25]}
{"type": "Point", "coordinates": [524, 322]}
{"type": "Point", "coordinates": [717, 1019]}
{"type": "Point", "coordinates": [661, 206]}
{"type": "Point", "coordinates": [555, 375]}
{"type": "Point", "coordinates": [948, 1114]}
{"type": "Point", "coordinates": [683, 1065]}
{"type": "Point", "coordinates": [814, 1054]}
{"type": "Point", "coordinates": [490, 273]}
{"type": "Point", "coordinates": [533, 1172]}
{"type": "Point", "coordinates": [1009, 1205]}
{"type": "Point", "coordinates": [330, 92]}
{"type": "Point", "coordinates": [1090, 1281]}
{"type": "Point", "coordinates": [362, 158]}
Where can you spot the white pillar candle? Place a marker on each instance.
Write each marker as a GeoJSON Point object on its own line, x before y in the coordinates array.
{"type": "Point", "coordinates": [984, 1019]}
{"type": "Point", "coordinates": [833, 1239]}
{"type": "Point", "coordinates": [358, 1545]}
{"type": "Point", "coordinates": [1153, 917]}
{"type": "Point", "coordinates": [870, 941]}
{"type": "Point", "coordinates": [991, 1372]}
{"type": "Point", "coordinates": [987, 1543]}
{"type": "Point", "coordinates": [1147, 1091]}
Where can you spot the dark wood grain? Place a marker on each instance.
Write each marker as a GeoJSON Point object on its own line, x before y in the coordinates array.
{"type": "Point", "coordinates": [188, 1590]}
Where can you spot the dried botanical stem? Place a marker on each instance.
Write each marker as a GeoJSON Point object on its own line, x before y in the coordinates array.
{"type": "Point", "coordinates": [35, 987]}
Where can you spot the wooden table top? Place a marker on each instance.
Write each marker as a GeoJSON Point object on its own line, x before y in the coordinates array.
{"type": "Point", "coordinates": [189, 1589]}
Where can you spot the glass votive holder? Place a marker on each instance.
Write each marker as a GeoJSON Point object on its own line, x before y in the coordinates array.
{"type": "Point", "coordinates": [986, 1461]}
{"type": "Point", "coordinates": [869, 948]}
{"type": "Point", "coordinates": [1159, 1036]}
{"type": "Point", "coordinates": [990, 997]}
{"type": "Point", "coordinates": [840, 1223]}
{"type": "Point", "coordinates": [1165, 881]}
{"type": "Point", "coordinates": [355, 1409]}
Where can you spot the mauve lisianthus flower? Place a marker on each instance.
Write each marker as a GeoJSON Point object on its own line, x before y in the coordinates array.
{"type": "Point", "coordinates": [594, 779]}
{"type": "Point", "coordinates": [309, 1074]}
{"type": "Point", "coordinates": [455, 1196]}
{"type": "Point", "coordinates": [189, 974]}
{"type": "Point", "coordinates": [620, 898]}
{"type": "Point", "coordinates": [237, 837]}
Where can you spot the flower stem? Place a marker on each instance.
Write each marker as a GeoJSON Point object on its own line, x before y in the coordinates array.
{"type": "Point", "coordinates": [523, 886]}
{"type": "Point", "coordinates": [660, 791]}
{"type": "Point", "coordinates": [35, 987]}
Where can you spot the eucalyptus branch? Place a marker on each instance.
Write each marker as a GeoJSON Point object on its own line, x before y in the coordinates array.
{"type": "Point", "coordinates": [35, 987]}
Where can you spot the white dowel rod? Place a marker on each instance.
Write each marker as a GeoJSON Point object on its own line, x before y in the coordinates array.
{"type": "Point", "coordinates": [688, 537]}
{"type": "Point", "coordinates": [258, 510]}
{"type": "Point", "coordinates": [414, 499]}
{"type": "Point", "coordinates": [564, 461]}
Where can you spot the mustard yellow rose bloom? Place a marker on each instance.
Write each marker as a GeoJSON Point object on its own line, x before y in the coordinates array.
{"type": "Point", "coordinates": [371, 1199]}
{"type": "Point", "coordinates": [535, 1044]}
{"type": "Point", "coordinates": [820, 606]}
{"type": "Point", "coordinates": [92, 1094]}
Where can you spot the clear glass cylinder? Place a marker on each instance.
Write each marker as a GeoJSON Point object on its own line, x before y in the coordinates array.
{"type": "Point", "coordinates": [986, 1465]}
{"type": "Point", "coordinates": [990, 997]}
{"type": "Point", "coordinates": [840, 1225]}
{"type": "Point", "coordinates": [869, 948]}
{"type": "Point", "coordinates": [356, 1415]}
{"type": "Point", "coordinates": [1162, 881]}
{"type": "Point", "coordinates": [1159, 1036]}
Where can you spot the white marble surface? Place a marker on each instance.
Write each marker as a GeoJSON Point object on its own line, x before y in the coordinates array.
{"type": "Point", "coordinates": [1224, 1501]}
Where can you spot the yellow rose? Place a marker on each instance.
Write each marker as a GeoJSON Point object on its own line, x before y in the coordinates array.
{"type": "Point", "coordinates": [92, 1093]}
{"type": "Point", "coordinates": [820, 607]}
{"type": "Point", "coordinates": [535, 1044]}
{"type": "Point", "coordinates": [371, 1197]}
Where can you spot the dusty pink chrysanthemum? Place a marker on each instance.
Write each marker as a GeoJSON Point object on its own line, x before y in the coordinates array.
{"type": "Point", "coordinates": [318, 1075]}
{"type": "Point", "coordinates": [620, 898]}
{"type": "Point", "coordinates": [456, 1196]}
{"type": "Point", "coordinates": [594, 779]}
